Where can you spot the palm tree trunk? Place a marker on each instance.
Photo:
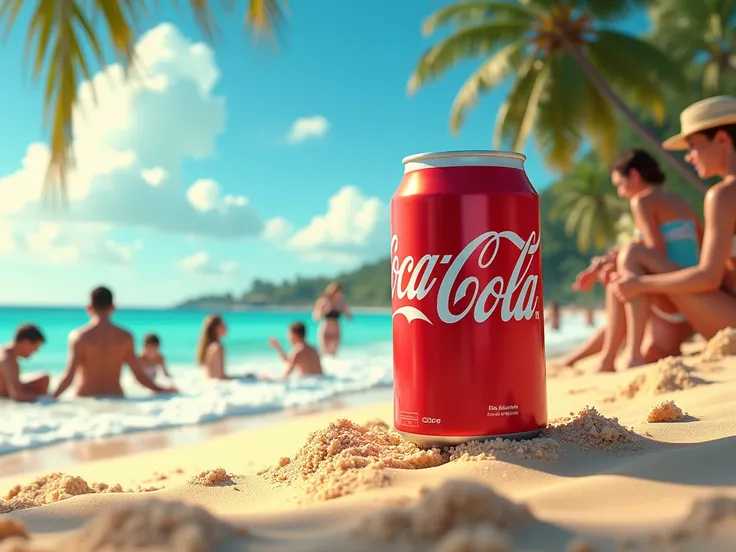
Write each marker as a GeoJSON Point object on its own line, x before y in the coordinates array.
{"type": "Point", "coordinates": [645, 133]}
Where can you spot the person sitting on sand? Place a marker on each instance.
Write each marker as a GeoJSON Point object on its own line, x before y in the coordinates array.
{"type": "Point", "coordinates": [664, 222]}
{"type": "Point", "coordinates": [706, 292]}
{"type": "Point", "coordinates": [151, 359]}
{"type": "Point", "coordinates": [97, 352]}
{"type": "Point", "coordinates": [28, 339]}
{"type": "Point", "coordinates": [303, 358]}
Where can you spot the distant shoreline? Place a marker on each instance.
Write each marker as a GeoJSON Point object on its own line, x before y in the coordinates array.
{"type": "Point", "coordinates": [273, 308]}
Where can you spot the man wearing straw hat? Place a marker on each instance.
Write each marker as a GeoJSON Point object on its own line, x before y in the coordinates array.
{"type": "Point", "coordinates": [705, 294]}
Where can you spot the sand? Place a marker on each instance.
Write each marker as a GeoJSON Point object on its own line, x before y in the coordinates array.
{"type": "Point", "coordinates": [637, 460]}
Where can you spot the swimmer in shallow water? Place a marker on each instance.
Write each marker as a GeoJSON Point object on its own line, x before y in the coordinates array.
{"type": "Point", "coordinates": [151, 360]}
{"type": "Point", "coordinates": [28, 339]}
{"type": "Point", "coordinates": [211, 350]}
{"type": "Point", "coordinates": [303, 358]}
{"type": "Point", "coordinates": [98, 351]}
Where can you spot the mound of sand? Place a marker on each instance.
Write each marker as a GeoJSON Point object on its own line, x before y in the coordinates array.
{"type": "Point", "coordinates": [12, 528]}
{"type": "Point", "coordinates": [590, 430]}
{"type": "Point", "coordinates": [210, 478]}
{"type": "Point", "coordinates": [147, 525]}
{"type": "Point", "coordinates": [720, 345]}
{"type": "Point", "coordinates": [456, 516]}
{"type": "Point", "coordinates": [710, 520]}
{"type": "Point", "coordinates": [346, 456]}
{"type": "Point", "coordinates": [541, 448]}
{"type": "Point", "coordinates": [51, 488]}
{"type": "Point", "coordinates": [55, 487]}
{"type": "Point", "coordinates": [666, 411]}
{"type": "Point", "coordinates": [668, 375]}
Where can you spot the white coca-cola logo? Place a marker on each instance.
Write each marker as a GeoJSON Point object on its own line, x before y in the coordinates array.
{"type": "Point", "coordinates": [516, 294]}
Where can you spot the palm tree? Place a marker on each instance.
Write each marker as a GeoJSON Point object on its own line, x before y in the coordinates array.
{"type": "Point", "coordinates": [699, 34]}
{"type": "Point", "coordinates": [585, 199]}
{"type": "Point", "coordinates": [62, 37]}
{"type": "Point", "coordinates": [568, 73]}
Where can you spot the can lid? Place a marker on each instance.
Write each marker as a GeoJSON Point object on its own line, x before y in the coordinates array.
{"type": "Point", "coordinates": [465, 158]}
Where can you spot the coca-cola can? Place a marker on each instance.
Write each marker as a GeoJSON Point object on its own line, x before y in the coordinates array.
{"type": "Point", "coordinates": [466, 294]}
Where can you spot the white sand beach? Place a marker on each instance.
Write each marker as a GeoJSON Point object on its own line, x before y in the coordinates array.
{"type": "Point", "coordinates": [601, 478]}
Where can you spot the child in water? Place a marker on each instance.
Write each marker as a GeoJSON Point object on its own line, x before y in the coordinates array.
{"type": "Point", "coordinates": [151, 359]}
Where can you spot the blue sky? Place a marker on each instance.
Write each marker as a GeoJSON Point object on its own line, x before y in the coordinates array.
{"type": "Point", "coordinates": [229, 162]}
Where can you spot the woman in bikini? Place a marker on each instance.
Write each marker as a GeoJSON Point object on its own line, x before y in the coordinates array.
{"type": "Point", "coordinates": [705, 293]}
{"type": "Point", "coordinates": [327, 311]}
{"type": "Point", "coordinates": [664, 223]}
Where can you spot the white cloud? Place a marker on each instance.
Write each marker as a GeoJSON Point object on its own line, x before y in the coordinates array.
{"type": "Point", "coordinates": [130, 146]}
{"type": "Point", "coordinates": [276, 229]}
{"type": "Point", "coordinates": [63, 244]}
{"type": "Point", "coordinates": [154, 176]}
{"type": "Point", "coordinates": [353, 228]}
{"type": "Point", "coordinates": [305, 128]}
{"type": "Point", "coordinates": [7, 238]}
{"type": "Point", "coordinates": [200, 263]}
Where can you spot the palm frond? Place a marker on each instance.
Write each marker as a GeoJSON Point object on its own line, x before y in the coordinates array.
{"type": "Point", "coordinates": [644, 81]}
{"type": "Point", "coordinates": [468, 12]}
{"type": "Point", "coordinates": [489, 75]}
{"type": "Point", "coordinates": [515, 118]}
{"type": "Point", "coordinates": [600, 123]}
{"type": "Point", "coordinates": [266, 15]}
{"type": "Point", "coordinates": [586, 201]}
{"type": "Point", "coordinates": [472, 41]}
{"type": "Point", "coordinates": [560, 114]}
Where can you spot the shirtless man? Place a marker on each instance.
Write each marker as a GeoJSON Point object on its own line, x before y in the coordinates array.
{"type": "Point", "coordinates": [97, 352]}
{"type": "Point", "coordinates": [303, 357]}
{"type": "Point", "coordinates": [28, 339]}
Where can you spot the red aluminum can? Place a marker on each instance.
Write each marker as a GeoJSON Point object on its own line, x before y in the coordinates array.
{"type": "Point", "coordinates": [466, 293]}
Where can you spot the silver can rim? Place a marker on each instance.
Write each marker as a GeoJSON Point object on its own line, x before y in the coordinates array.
{"type": "Point", "coordinates": [463, 153]}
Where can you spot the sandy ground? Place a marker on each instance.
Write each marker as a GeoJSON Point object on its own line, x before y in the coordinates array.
{"type": "Point", "coordinates": [601, 478]}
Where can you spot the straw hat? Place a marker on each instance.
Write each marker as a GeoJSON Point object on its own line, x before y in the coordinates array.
{"type": "Point", "coordinates": [709, 113]}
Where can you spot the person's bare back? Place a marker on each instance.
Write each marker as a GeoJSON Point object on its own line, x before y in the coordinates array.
{"type": "Point", "coordinates": [100, 350]}
{"type": "Point", "coordinates": [97, 353]}
{"type": "Point", "coordinates": [305, 360]}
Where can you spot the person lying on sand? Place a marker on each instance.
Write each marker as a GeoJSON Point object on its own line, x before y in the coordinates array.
{"type": "Point", "coordinates": [706, 292]}
{"type": "Point", "coordinates": [151, 359]}
{"type": "Point", "coordinates": [97, 352]}
{"type": "Point", "coordinates": [28, 339]}
{"type": "Point", "coordinates": [303, 357]}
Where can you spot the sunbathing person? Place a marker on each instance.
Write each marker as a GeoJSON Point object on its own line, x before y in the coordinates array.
{"type": "Point", "coordinates": [98, 351]}
{"type": "Point", "coordinates": [706, 292]}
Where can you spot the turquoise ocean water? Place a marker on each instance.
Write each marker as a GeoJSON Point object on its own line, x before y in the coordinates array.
{"type": "Point", "coordinates": [363, 364]}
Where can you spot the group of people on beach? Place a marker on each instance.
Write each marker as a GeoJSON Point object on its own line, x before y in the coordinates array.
{"type": "Point", "coordinates": [99, 350]}
{"type": "Point", "coordinates": [677, 276]}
